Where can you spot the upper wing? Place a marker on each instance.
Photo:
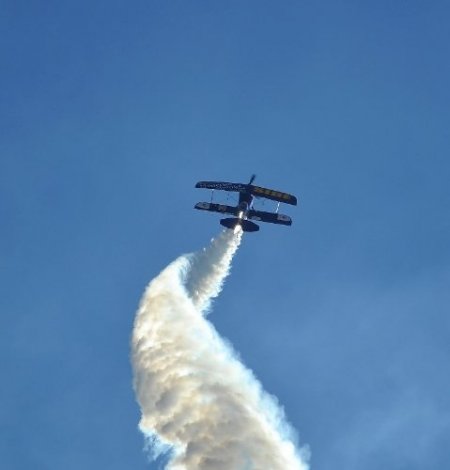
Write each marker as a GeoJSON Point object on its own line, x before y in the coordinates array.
{"type": "Point", "coordinates": [271, 217]}
{"type": "Point", "coordinates": [222, 186]}
{"type": "Point", "coordinates": [212, 207]}
{"type": "Point", "coordinates": [254, 190]}
{"type": "Point", "coordinates": [274, 195]}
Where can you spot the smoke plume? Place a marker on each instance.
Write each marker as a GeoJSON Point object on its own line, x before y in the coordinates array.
{"type": "Point", "coordinates": [196, 397]}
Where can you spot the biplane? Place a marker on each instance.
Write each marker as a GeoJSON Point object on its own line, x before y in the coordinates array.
{"type": "Point", "coordinates": [244, 213]}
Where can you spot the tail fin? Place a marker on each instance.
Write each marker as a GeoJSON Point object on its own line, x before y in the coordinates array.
{"type": "Point", "coordinates": [247, 225]}
{"type": "Point", "coordinates": [252, 179]}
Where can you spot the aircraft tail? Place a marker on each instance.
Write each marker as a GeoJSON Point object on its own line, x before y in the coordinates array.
{"type": "Point", "coordinates": [246, 225]}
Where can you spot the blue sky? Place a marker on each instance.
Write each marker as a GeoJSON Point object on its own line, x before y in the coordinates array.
{"type": "Point", "coordinates": [111, 111]}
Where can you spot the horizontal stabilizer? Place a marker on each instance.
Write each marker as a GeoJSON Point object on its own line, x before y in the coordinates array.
{"type": "Point", "coordinates": [246, 225]}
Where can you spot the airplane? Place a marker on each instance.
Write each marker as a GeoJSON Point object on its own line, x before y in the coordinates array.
{"type": "Point", "coordinates": [244, 213]}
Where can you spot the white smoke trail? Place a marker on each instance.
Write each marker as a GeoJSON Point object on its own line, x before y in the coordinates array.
{"type": "Point", "coordinates": [194, 394]}
{"type": "Point", "coordinates": [209, 267]}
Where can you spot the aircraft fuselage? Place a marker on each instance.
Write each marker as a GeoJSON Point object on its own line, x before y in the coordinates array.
{"type": "Point", "coordinates": [246, 200]}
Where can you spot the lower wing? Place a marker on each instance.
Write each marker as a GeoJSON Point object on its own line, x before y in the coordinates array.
{"type": "Point", "coordinates": [271, 217]}
{"type": "Point", "coordinates": [212, 207]}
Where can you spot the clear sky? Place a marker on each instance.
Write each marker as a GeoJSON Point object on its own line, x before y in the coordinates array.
{"type": "Point", "coordinates": [110, 111]}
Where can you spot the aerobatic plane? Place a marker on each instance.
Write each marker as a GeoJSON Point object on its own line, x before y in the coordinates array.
{"type": "Point", "coordinates": [244, 213]}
